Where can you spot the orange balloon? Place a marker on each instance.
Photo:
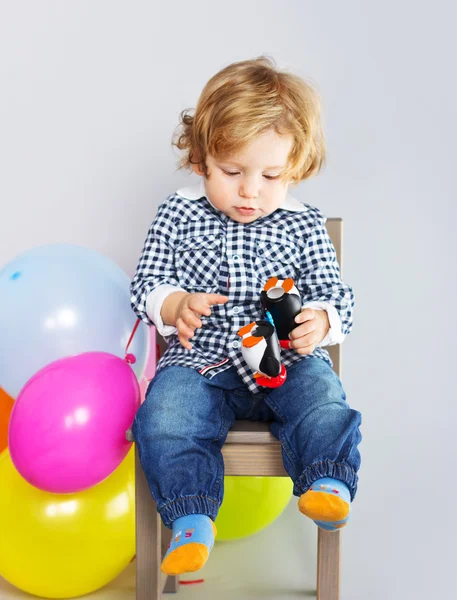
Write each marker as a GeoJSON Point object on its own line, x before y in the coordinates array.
{"type": "Point", "coordinates": [6, 406]}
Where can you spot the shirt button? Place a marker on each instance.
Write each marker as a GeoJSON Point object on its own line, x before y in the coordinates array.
{"type": "Point", "coordinates": [236, 310]}
{"type": "Point", "coordinates": [236, 344]}
{"type": "Point", "coordinates": [236, 258]}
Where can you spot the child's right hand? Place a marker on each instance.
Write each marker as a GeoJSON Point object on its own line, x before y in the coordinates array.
{"type": "Point", "coordinates": [189, 310]}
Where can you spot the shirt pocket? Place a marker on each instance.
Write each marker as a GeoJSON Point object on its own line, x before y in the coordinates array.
{"type": "Point", "coordinates": [277, 259]}
{"type": "Point", "coordinates": [198, 261]}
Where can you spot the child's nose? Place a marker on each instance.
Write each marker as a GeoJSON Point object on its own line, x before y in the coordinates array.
{"type": "Point", "coordinates": [249, 189]}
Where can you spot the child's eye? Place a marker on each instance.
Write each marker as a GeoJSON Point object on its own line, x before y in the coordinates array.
{"type": "Point", "coordinates": [271, 176]}
{"type": "Point", "coordinates": [231, 172]}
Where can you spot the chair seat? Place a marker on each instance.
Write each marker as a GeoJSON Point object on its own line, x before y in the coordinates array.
{"type": "Point", "coordinates": [242, 432]}
{"type": "Point", "coordinates": [250, 449]}
{"type": "Point", "coordinates": [250, 432]}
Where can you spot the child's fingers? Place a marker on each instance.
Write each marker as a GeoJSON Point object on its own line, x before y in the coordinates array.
{"type": "Point", "coordinates": [201, 303]}
{"type": "Point", "coordinates": [303, 345]}
{"type": "Point", "coordinates": [183, 328]}
{"type": "Point", "coordinates": [216, 299]}
{"type": "Point", "coordinates": [302, 341]}
{"type": "Point", "coordinates": [184, 333]}
{"type": "Point", "coordinates": [306, 314]}
{"type": "Point", "coordinates": [190, 318]}
{"type": "Point", "coordinates": [302, 330]}
{"type": "Point", "coordinates": [185, 343]}
{"type": "Point", "coordinates": [210, 299]}
{"type": "Point", "coordinates": [198, 306]}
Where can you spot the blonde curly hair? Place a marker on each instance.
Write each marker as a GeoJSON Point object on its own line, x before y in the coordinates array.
{"type": "Point", "coordinates": [243, 101]}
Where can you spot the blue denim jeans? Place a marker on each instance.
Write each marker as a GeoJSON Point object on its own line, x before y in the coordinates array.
{"type": "Point", "coordinates": [182, 425]}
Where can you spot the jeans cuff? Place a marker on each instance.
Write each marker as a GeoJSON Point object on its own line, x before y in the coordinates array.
{"type": "Point", "coordinates": [327, 468]}
{"type": "Point", "coordinates": [189, 505]}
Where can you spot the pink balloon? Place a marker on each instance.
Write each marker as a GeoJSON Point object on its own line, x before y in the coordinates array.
{"type": "Point", "coordinates": [68, 424]}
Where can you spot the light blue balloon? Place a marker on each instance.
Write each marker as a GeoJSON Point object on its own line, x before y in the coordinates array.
{"type": "Point", "coordinates": [60, 300]}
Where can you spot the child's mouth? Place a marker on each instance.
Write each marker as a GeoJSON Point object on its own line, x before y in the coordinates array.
{"type": "Point", "coordinates": [243, 210]}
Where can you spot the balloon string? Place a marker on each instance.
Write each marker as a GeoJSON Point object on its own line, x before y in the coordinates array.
{"type": "Point", "coordinates": [129, 357]}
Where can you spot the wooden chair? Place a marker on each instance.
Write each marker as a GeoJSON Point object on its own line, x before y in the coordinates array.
{"type": "Point", "coordinates": [250, 449]}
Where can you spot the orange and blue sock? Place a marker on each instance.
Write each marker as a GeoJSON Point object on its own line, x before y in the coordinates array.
{"type": "Point", "coordinates": [327, 503]}
{"type": "Point", "coordinates": [191, 542]}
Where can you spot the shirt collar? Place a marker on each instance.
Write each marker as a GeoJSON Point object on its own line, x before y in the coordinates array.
{"type": "Point", "coordinates": [196, 192]}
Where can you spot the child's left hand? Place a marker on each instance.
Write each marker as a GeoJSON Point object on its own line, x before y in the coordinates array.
{"type": "Point", "coordinates": [312, 329]}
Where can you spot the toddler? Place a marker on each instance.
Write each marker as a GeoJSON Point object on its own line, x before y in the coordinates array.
{"type": "Point", "coordinates": [208, 253]}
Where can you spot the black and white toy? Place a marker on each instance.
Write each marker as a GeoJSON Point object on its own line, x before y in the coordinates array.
{"type": "Point", "coordinates": [260, 347]}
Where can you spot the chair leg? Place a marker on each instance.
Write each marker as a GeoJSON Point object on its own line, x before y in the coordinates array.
{"type": "Point", "coordinates": [148, 543]}
{"type": "Point", "coordinates": [172, 582]}
{"type": "Point", "coordinates": [328, 565]}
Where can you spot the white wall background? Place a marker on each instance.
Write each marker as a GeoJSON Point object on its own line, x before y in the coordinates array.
{"type": "Point", "coordinates": [89, 98]}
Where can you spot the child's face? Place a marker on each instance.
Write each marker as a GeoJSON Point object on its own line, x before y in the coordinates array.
{"type": "Point", "coordinates": [247, 186]}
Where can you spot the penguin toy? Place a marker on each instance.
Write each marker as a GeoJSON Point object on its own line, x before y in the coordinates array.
{"type": "Point", "coordinates": [260, 350]}
{"type": "Point", "coordinates": [281, 303]}
{"type": "Point", "coordinates": [281, 299]}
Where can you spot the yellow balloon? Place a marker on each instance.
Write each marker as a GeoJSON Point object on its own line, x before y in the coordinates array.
{"type": "Point", "coordinates": [65, 545]}
{"type": "Point", "coordinates": [250, 504]}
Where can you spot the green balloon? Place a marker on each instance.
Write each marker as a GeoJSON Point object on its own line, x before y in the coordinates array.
{"type": "Point", "coordinates": [251, 504]}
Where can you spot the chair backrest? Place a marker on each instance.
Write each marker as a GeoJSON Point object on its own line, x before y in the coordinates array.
{"type": "Point", "coordinates": [335, 231]}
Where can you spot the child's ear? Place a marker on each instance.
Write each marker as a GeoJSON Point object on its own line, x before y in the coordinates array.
{"type": "Point", "coordinates": [198, 169]}
{"type": "Point", "coordinates": [197, 163]}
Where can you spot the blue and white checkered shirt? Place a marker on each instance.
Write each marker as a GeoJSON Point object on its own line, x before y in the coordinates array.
{"type": "Point", "coordinates": [194, 247]}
